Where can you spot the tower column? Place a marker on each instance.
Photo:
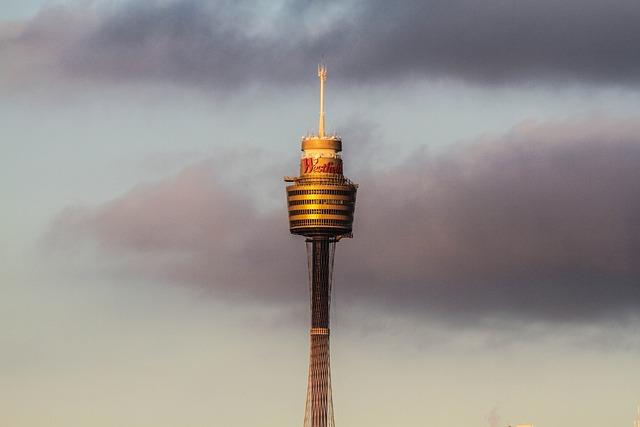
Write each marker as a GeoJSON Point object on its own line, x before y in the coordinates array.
{"type": "Point", "coordinates": [319, 406]}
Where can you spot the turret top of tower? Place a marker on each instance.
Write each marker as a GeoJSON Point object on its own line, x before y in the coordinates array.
{"type": "Point", "coordinates": [321, 141]}
{"type": "Point", "coordinates": [316, 143]}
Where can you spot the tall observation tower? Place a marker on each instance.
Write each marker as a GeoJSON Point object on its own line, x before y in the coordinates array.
{"type": "Point", "coordinates": [321, 202]}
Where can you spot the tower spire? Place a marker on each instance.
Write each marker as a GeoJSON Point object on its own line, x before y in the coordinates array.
{"type": "Point", "coordinates": [322, 75]}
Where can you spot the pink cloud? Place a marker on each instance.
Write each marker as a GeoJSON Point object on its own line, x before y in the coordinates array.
{"type": "Point", "coordinates": [542, 222]}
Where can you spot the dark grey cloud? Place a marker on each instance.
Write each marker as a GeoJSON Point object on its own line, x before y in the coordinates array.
{"type": "Point", "coordinates": [225, 44]}
{"type": "Point", "coordinates": [542, 223]}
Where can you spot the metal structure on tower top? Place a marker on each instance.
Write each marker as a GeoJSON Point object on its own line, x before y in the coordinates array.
{"type": "Point", "coordinates": [322, 75]}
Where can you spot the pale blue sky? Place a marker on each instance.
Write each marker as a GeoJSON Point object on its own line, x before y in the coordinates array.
{"type": "Point", "coordinates": [20, 9]}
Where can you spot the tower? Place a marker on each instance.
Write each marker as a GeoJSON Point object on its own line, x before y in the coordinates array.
{"type": "Point", "coordinates": [321, 202]}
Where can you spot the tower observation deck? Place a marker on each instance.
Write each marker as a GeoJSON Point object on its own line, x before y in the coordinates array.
{"type": "Point", "coordinates": [321, 203]}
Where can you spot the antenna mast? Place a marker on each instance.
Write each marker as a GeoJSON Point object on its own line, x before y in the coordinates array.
{"type": "Point", "coordinates": [322, 74]}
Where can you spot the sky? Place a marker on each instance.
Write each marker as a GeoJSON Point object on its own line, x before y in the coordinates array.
{"type": "Point", "coordinates": [148, 275]}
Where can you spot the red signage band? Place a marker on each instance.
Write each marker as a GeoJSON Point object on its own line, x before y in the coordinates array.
{"type": "Point", "coordinates": [321, 165]}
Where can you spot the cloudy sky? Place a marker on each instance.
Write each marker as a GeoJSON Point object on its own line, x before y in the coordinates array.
{"type": "Point", "coordinates": [148, 276]}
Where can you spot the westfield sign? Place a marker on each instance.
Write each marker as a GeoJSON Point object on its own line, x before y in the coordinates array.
{"type": "Point", "coordinates": [321, 165]}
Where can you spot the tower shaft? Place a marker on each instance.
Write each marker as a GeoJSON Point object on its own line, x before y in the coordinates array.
{"type": "Point", "coordinates": [319, 406]}
{"type": "Point", "coordinates": [322, 250]}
